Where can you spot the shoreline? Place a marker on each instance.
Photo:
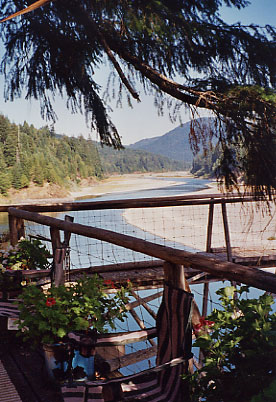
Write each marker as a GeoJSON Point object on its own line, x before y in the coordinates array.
{"type": "Point", "coordinates": [90, 189]}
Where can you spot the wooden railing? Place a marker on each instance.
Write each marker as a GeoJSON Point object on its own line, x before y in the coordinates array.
{"type": "Point", "coordinates": [220, 269]}
{"type": "Point", "coordinates": [133, 203]}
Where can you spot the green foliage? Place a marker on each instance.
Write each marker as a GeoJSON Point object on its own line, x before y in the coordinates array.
{"type": "Point", "coordinates": [27, 254]}
{"type": "Point", "coordinates": [267, 395]}
{"type": "Point", "coordinates": [228, 69]}
{"type": "Point", "coordinates": [10, 146]}
{"type": "Point", "coordinates": [131, 161]}
{"type": "Point", "coordinates": [19, 179]}
{"type": "Point", "coordinates": [205, 164]}
{"type": "Point", "coordinates": [47, 316]}
{"type": "Point", "coordinates": [33, 253]}
{"type": "Point", "coordinates": [35, 155]}
{"type": "Point", "coordinates": [239, 350]}
{"type": "Point", "coordinates": [5, 182]}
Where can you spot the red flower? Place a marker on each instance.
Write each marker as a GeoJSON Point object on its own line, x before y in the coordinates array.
{"type": "Point", "coordinates": [203, 324]}
{"type": "Point", "coordinates": [50, 302]}
{"type": "Point", "coordinates": [109, 282]}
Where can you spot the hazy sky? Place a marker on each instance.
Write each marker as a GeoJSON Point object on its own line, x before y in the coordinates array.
{"type": "Point", "coordinates": [142, 121]}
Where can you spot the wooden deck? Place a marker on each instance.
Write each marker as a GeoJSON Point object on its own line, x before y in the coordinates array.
{"type": "Point", "coordinates": [255, 256]}
{"type": "Point", "coordinates": [23, 376]}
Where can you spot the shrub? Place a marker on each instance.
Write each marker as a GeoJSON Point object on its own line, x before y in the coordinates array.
{"type": "Point", "coordinates": [239, 350]}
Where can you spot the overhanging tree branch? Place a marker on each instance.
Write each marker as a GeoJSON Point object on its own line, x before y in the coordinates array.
{"type": "Point", "coordinates": [235, 66]}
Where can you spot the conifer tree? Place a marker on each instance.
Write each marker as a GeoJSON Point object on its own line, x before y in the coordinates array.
{"type": "Point", "coordinates": [4, 128]}
{"type": "Point", "coordinates": [10, 146]}
{"type": "Point", "coordinates": [228, 69]}
{"type": "Point", "coordinates": [5, 181]}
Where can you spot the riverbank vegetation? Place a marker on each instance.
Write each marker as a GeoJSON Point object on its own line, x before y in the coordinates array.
{"type": "Point", "coordinates": [238, 344]}
{"type": "Point", "coordinates": [31, 156]}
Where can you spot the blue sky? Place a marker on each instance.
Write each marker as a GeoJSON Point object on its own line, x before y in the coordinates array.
{"type": "Point", "coordinates": [142, 121]}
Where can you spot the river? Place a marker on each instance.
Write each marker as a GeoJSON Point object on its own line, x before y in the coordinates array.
{"type": "Point", "coordinates": [114, 220]}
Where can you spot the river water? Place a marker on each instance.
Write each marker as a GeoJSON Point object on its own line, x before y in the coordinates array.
{"type": "Point", "coordinates": [117, 223]}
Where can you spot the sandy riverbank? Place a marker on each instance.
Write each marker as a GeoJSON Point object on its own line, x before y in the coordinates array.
{"type": "Point", "coordinates": [252, 230]}
{"type": "Point", "coordinates": [92, 188]}
{"type": "Point", "coordinates": [130, 182]}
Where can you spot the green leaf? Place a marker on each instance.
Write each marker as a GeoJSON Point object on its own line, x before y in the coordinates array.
{"type": "Point", "coordinates": [61, 332]}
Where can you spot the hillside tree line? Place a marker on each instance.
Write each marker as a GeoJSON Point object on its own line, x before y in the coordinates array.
{"type": "Point", "coordinates": [31, 155]}
{"type": "Point", "coordinates": [35, 155]}
{"type": "Point", "coordinates": [182, 51]}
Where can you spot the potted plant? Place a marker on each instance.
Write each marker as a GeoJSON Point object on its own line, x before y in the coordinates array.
{"type": "Point", "coordinates": [80, 308]}
{"type": "Point", "coordinates": [26, 255]}
{"type": "Point", "coordinates": [238, 342]}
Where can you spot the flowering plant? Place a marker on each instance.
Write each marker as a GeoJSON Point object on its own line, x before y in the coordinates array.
{"type": "Point", "coordinates": [239, 350]}
{"type": "Point", "coordinates": [27, 254]}
{"type": "Point", "coordinates": [203, 326]}
{"type": "Point", "coordinates": [48, 316]}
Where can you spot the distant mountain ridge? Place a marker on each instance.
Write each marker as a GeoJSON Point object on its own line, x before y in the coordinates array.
{"type": "Point", "coordinates": [174, 144]}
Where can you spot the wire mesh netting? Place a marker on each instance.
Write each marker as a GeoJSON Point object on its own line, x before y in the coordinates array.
{"type": "Point", "coordinates": [252, 231]}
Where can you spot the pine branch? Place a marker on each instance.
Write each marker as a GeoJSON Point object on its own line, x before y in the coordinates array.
{"type": "Point", "coordinates": [26, 10]}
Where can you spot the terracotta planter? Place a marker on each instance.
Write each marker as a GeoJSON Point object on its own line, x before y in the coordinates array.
{"type": "Point", "coordinates": [58, 361]}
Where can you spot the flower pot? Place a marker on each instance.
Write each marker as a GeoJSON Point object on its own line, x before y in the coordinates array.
{"type": "Point", "coordinates": [82, 367]}
{"type": "Point", "coordinates": [57, 359]}
{"type": "Point", "coordinates": [83, 343]}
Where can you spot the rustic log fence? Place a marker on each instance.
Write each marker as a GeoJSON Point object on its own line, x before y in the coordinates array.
{"type": "Point", "coordinates": [176, 263]}
{"type": "Point", "coordinates": [220, 269]}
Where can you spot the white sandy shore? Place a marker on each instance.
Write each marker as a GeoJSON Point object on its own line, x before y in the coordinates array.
{"type": "Point", "coordinates": [111, 185]}
{"type": "Point", "coordinates": [252, 230]}
{"type": "Point", "coordinates": [128, 183]}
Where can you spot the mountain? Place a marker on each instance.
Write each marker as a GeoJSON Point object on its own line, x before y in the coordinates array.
{"type": "Point", "coordinates": [176, 143]}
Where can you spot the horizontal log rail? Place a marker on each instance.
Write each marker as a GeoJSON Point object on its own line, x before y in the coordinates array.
{"type": "Point", "coordinates": [223, 270]}
{"type": "Point", "coordinates": [131, 358]}
{"type": "Point", "coordinates": [134, 203]}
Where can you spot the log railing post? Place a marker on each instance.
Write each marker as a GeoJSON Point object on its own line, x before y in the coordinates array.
{"type": "Point", "coordinates": [226, 232]}
{"type": "Point", "coordinates": [58, 257]}
{"type": "Point", "coordinates": [220, 269]}
{"type": "Point", "coordinates": [67, 235]}
{"type": "Point", "coordinates": [17, 230]}
{"type": "Point", "coordinates": [174, 274]}
{"type": "Point", "coordinates": [60, 251]}
{"type": "Point", "coordinates": [227, 238]}
{"type": "Point", "coordinates": [210, 228]}
{"type": "Point", "coordinates": [208, 250]}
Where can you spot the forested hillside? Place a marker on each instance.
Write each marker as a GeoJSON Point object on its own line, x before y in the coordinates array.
{"type": "Point", "coordinates": [130, 161]}
{"type": "Point", "coordinates": [35, 155]}
{"type": "Point", "coordinates": [205, 164]}
{"type": "Point", "coordinates": [30, 155]}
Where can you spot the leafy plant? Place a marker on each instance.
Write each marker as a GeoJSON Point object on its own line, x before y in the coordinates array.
{"type": "Point", "coordinates": [27, 254]}
{"type": "Point", "coordinates": [239, 350]}
{"type": "Point", "coordinates": [48, 316]}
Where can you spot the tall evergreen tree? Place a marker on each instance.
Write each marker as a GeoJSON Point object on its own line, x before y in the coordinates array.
{"type": "Point", "coordinates": [5, 181]}
{"type": "Point", "coordinates": [153, 42]}
{"type": "Point", "coordinates": [4, 128]}
{"type": "Point", "coordinates": [10, 146]}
